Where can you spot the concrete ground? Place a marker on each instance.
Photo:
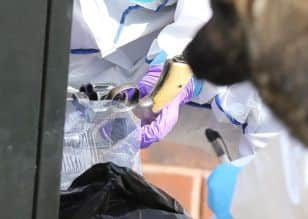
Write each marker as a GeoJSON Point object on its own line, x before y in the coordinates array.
{"type": "Point", "coordinates": [191, 127]}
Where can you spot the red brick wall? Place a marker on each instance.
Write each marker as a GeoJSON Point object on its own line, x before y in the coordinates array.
{"type": "Point", "coordinates": [181, 171]}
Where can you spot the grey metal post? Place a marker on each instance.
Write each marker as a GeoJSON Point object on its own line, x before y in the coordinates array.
{"type": "Point", "coordinates": [34, 44]}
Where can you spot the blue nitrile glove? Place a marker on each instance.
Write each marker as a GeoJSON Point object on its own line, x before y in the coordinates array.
{"type": "Point", "coordinates": [221, 186]}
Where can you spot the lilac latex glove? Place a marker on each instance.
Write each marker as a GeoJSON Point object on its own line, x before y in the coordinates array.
{"type": "Point", "coordinates": [157, 129]}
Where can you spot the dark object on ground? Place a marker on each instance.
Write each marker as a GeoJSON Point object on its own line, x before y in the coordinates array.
{"type": "Point", "coordinates": [107, 191]}
{"type": "Point", "coordinates": [265, 41]}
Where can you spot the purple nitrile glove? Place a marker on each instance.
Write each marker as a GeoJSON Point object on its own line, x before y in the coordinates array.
{"type": "Point", "coordinates": [150, 79]}
{"type": "Point", "coordinates": [157, 129]}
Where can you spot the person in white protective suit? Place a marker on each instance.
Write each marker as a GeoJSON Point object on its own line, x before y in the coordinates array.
{"type": "Point", "coordinates": [100, 30]}
{"type": "Point", "coordinates": [110, 40]}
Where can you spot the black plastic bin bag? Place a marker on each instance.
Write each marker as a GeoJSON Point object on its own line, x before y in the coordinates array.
{"type": "Point", "coordinates": [107, 191]}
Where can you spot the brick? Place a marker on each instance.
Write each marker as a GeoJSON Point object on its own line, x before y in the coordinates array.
{"type": "Point", "coordinates": [184, 184]}
{"type": "Point", "coordinates": [181, 170]}
{"type": "Point", "coordinates": [178, 186]}
{"type": "Point", "coordinates": [205, 211]}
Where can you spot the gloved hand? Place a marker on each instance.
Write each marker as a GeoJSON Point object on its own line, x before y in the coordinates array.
{"type": "Point", "coordinates": [221, 186]}
{"type": "Point", "coordinates": [157, 129]}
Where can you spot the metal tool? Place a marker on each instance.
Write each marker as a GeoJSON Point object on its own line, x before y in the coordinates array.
{"type": "Point", "coordinates": [173, 79]}
{"type": "Point", "coordinates": [175, 75]}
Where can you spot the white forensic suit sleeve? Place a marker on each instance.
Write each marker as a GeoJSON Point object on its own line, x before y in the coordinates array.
{"type": "Point", "coordinates": [189, 17]}
{"type": "Point", "coordinates": [274, 184]}
{"type": "Point", "coordinates": [126, 65]}
{"type": "Point", "coordinates": [261, 127]}
{"type": "Point", "coordinates": [118, 22]}
{"type": "Point", "coordinates": [81, 35]}
{"type": "Point", "coordinates": [235, 103]}
{"type": "Point", "coordinates": [231, 108]}
{"type": "Point", "coordinates": [110, 39]}
{"type": "Point", "coordinates": [241, 107]}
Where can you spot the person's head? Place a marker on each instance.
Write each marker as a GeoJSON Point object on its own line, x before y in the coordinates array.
{"type": "Point", "coordinates": [265, 41]}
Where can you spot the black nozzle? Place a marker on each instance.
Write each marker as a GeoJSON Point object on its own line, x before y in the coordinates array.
{"type": "Point", "coordinates": [211, 135]}
{"type": "Point", "coordinates": [219, 146]}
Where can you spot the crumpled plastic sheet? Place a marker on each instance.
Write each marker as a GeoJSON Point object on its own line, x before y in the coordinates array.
{"type": "Point", "coordinates": [98, 133]}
